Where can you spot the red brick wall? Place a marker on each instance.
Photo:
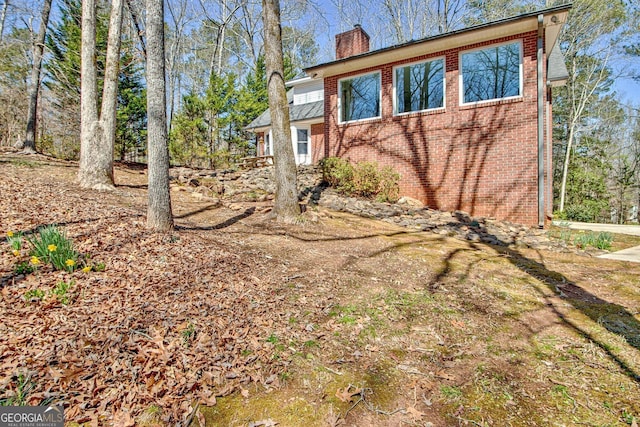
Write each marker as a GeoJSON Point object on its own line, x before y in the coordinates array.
{"type": "Point", "coordinates": [481, 159]}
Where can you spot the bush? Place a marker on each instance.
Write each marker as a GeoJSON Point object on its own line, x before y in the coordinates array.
{"type": "Point", "coordinates": [389, 189]}
{"type": "Point", "coordinates": [363, 179]}
{"type": "Point", "coordinates": [336, 171]}
{"type": "Point", "coordinates": [586, 211]}
{"type": "Point", "coordinates": [366, 179]}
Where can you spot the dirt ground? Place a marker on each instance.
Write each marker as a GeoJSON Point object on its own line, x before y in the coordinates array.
{"type": "Point", "coordinates": [233, 320]}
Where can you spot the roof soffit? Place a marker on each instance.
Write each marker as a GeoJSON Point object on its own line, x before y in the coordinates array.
{"type": "Point", "coordinates": [445, 42]}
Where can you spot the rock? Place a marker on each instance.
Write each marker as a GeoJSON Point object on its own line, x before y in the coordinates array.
{"type": "Point", "coordinates": [409, 201]}
{"type": "Point", "coordinates": [407, 212]}
{"type": "Point", "coordinates": [473, 237]}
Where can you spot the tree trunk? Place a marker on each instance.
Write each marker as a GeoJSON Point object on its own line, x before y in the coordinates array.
{"type": "Point", "coordinates": [110, 88]}
{"type": "Point", "coordinates": [286, 207]}
{"type": "Point", "coordinates": [3, 17]}
{"type": "Point", "coordinates": [29, 143]}
{"type": "Point", "coordinates": [565, 168]}
{"type": "Point", "coordinates": [96, 153]}
{"type": "Point", "coordinates": [90, 132]}
{"type": "Point", "coordinates": [159, 216]}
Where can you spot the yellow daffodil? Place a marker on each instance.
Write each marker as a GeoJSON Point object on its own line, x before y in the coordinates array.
{"type": "Point", "coordinates": [52, 248]}
{"type": "Point", "coordinates": [16, 252]}
{"type": "Point", "coordinates": [70, 263]}
{"type": "Point", "coordinates": [9, 233]}
{"type": "Point", "coordinates": [35, 260]}
{"type": "Point", "coordinates": [86, 269]}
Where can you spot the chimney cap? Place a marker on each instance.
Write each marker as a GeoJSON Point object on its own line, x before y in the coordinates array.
{"type": "Point", "coordinates": [357, 26]}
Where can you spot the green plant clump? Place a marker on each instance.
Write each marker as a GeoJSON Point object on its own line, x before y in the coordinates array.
{"type": "Point", "coordinates": [52, 246]}
{"type": "Point", "coordinates": [23, 268]}
{"type": "Point", "coordinates": [23, 388]}
{"type": "Point", "coordinates": [61, 291]}
{"type": "Point", "coordinates": [14, 240]}
{"type": "Point", "coordinates": [34, 294]}
{"type": "Point", "coordinates": [600, 240]}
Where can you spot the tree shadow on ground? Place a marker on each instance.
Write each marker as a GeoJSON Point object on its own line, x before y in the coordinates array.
{"type": "Point", "coordinates": [613, 317]}
{"type": "Point", "coordinates": [229, 222]}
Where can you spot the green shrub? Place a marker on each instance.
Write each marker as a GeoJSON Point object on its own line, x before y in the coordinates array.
{"type": "Point", "coordinates": [560, 215]}
{"type": "Point", "coordinates": [363, 179]}
{"type": "Point", "coordinates": [366, 179]}
{"type": "Point", "coordinates": [336, 172]}
{"type": "Point", "coordinates": [586, 211]}
{"type": "Point", "coordinates": [52, 246]}
{"type": "Point", "coordinates": [389, 189]}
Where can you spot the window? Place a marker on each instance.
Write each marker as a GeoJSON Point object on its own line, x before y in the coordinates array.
{"type": "Point", "coordinates": [419, 86]}
{"type": "Point", "coordinates": [267, 144]}
{"type": "Point", "coordinates": [303, 142]}
{"type": "Point", "coordinates": [360, 97]}
{"type": "Point", "coordinates": [492, 73]}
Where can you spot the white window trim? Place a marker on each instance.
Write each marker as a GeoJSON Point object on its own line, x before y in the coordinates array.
{"type": "Point", "coordinates": [379, 116]}
{"type": "Point", "coordinates": [307, 157]}
{"type": "Point", "coordinates": [444, 86]}
{"type": "Point", "coordinates": [493, 100]}
{"type": "Point", "coordinates": [267, 137]}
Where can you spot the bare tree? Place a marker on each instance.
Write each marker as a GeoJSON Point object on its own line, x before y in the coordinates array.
{"type": "Point", "coordinates": [3, 17]}
{"type": "Point", "coordinates": [159, 216]}
{"type": "Point", "coordinates": [29, 143]}
{"type": "Point", "coordinates": [286, 207]}
{"type": "Point", "coordinates": [97, 133]}
{"type": "Point", "coordinates": [589, 44]}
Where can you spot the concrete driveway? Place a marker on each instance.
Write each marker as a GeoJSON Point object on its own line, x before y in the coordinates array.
{"type": "Point", "coordinates": [630, 254]}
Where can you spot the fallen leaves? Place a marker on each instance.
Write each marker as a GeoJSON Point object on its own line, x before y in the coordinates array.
{"type": "Point", "coordinates": [173, 319]}
{"type": "Point", "coordinates": [347, 393]}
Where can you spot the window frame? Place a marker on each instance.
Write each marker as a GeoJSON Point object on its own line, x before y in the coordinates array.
{"type": "Point", "coordinates": [520, 44]}
{"type": "Point", "coordinates": [268, 149]}
{"type": "Point", "coordinates": [306, 141]}
{"type": "Point", "coordinates": [354, 76]}
{"type": "Point", "coordinates": [444, 85]}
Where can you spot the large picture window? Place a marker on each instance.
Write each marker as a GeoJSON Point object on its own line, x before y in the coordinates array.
{"type": "Point", "coordinates": [492, 73]}
{"type": "Point", "coordinates": [360, 97]}
{"type": "Point", "coordinates": [419, 86]}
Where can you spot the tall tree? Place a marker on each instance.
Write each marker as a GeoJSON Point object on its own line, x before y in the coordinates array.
{"type": "Point", "coordinates": [159, 216]}
{"type": "Point", "coordinates": [14, 67]}
{"type": "Point", "coordinates": [29, 143]}
{"type": "Point", "coordinates": [286, 207]}
{"type": "Point", "coordinates": [97, 132]}
{"type": "Point", "coordinates": [3, 17]}
{"type": "Point", "coordinates": [589, 42]}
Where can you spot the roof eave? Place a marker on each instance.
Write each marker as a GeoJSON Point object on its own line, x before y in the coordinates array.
{"type": "Point", "coordinates": [554, 18]}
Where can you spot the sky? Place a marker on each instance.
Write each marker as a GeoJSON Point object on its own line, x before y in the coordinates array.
{"type": "Point", "coordinates": [626, 87]}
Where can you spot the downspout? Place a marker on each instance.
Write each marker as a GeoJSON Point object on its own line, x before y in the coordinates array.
{"type": "Point", "coordinates": [540, 76]}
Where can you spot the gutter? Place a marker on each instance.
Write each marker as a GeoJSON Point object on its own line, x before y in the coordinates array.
{"type": "Point", "coordinates": [540, 76]}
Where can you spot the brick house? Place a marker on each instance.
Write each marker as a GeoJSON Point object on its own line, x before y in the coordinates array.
{"type": "Point", "coordinates": [464, 117]}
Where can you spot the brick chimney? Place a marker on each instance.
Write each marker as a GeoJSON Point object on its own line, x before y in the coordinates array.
{"type": "Point", "coordinates": [352, 42]}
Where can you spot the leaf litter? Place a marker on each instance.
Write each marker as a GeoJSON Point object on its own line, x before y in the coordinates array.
{"type": "Point", "coordinates": [120, 347]}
